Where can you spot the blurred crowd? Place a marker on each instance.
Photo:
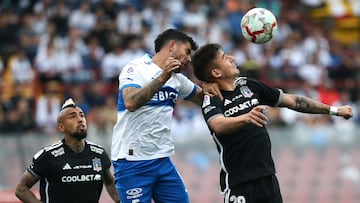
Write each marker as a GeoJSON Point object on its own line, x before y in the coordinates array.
{"type": "Point", "coordinates": [54, 49]}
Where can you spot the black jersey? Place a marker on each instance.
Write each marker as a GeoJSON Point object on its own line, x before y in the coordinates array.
{"type": "Point", "coordinates": [66, 176]}
{"type": "Point", "coordinates": [246, 153]}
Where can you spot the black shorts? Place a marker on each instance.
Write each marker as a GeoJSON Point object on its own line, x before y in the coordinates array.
{"type": "Point", "coordinates": [261, 190]}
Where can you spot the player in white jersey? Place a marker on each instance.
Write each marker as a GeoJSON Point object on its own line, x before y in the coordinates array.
{"type": "Point", "coordinates": [142, 143]}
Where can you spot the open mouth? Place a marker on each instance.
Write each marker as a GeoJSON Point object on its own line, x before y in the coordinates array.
{"type": "Point", "coordinates": [81, 127]}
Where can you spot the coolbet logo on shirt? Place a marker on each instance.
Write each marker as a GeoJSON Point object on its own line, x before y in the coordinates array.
{"type": "Point", "coordinates": [240, 107]}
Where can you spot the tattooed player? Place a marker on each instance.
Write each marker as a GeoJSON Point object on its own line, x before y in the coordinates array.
{"type": "Point", "coordinates": [142, 144]}
{"type": "Point", "coordinates": [237, 123]}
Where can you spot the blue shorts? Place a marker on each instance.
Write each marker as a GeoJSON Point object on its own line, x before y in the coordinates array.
{"type": "Point", "coordinates": [141, 181]}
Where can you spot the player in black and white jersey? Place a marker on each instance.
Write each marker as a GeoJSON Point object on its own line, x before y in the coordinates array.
{"type": "Point", "coordinates": [237, 124]}
{"type": "Point", "coordinates": [71, 170]}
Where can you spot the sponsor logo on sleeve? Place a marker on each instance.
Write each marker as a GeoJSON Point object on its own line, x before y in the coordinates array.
{"type": "Point", "coordinates": [206, 100]}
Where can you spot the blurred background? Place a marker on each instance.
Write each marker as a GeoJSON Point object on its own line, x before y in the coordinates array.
{"type": "Point", "coordinates": [54, 49]}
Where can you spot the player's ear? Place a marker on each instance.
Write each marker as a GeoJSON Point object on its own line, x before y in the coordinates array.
{"type": "Point", "coordinates": [172, 46]}
{"type": "Point", "coordinates": [215, 73]}
{"type": "Point", "coordinates": [60, 127]}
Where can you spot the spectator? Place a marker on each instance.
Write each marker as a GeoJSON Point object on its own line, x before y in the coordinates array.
{"type": "Point", "coordinates": [93, 56]}
{"type": "Point", "coordinates": [18, 111]}
{"type": "Point", "coordinates": [77, 93]}
{"type": "Point", "coordinates": [105, 24]}
{"type": "Point", "coordinates": [21, 68]}
{"type": "Point", "coordinates": [28, 37]}
{"type": "Point", "coordinates": [129, 20]}
{"type": "Point", "coordinates": [73, 69]}
{"type": "Point", "coordinates": [102, 119]}
{"type": "Point", "coordinates": [47, 108]}
{"type": "Point", "coordinates": [82, 18]}
{"type": "Point", "coordinates": [132, 48]}
{"type": "Point", "coordinates": [59, 16]}
{"type": "Point", "coordinates": [8, 29]}
{"type": "Point", "coordinates": [73, 36]}
{"type": "Point", "coordinates": [112, 64]}
{"type": "Point", "coordinates": [51, 33]}
{"type": "Point", "coordinates": [193, 16]}
{"type": "Point", "coordinates": [95, 94]}
{"type": "Point", "coordinates": [48, 63]}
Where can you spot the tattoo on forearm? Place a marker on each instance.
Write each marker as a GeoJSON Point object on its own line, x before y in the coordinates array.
{"type": "Point", "coordinates": [306, 105]}
{"type": "Point", "coordinates": [141, 97]}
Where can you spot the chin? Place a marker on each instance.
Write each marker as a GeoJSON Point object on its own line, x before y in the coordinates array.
{"type": "Point", "coordinates": [80, 134]}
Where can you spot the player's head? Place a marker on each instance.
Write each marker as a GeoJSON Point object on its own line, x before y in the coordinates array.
{"type": "Point", "coordinates": [176, 35]}
{"type": "Point", "coordinates": [211, 63]}
{"type": "Point", "coordinates": [177, 44]}
{"type": "Point", "coordinates": [71, 120]}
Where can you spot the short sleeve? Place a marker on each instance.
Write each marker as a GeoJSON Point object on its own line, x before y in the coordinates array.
{"type": "Point", "coordinates": [38, 164]}
{"type": "Point", "coordinates": [268, 95]}
{"type": "Point", "coordinates": [211, 107]}
{"type": "Point", "coordinates": [106, 160]}
{"type": "Point", "coordinates": [130, 76]}
{"type": "Point", "coordinates": [187, 88]}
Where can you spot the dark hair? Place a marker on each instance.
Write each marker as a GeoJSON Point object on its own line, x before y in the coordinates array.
{"type": "Point", "coordinates": [203, 59]}
{"type": "Point", "coordinates": [172, 34]}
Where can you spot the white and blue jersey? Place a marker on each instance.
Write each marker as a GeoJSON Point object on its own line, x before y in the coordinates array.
{"type": "Point", "coordinates": [145, 133]}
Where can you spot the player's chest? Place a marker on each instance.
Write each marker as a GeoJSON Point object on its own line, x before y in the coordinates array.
{"type": "Point", "coordinates": [72, 169]}
{"type": "Point", "coordinates": [240, 101]}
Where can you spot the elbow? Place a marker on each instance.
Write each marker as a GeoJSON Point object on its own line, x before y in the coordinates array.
{"type": "Point", "coordinates": [217, 129]}
{"type": "Point", "coordinates": [19, 191]}
{"type": "Point", "coordinates": [130, 106]}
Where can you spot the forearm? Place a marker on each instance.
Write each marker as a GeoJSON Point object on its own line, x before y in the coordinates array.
{"type": "Point", "coordinates": [198, 97]}
{"type": "Point", "coordinates": [224, 125]}
{"type": "Point", "coordinates": [110, 188]}
{"type": "Point", "coordinates": [134, 98]}
{"type": "Point", "coordinates": [26, 196]}
{"type": "Point", "coordinates": [307, 105]}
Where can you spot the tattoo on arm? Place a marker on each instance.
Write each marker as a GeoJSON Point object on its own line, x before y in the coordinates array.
{"type": "Point", "coordinates": [307, 105]}
{"type": "Point", "coordinates": [139, 98]}
{"type": "Point", "coordinates": [148, 91]}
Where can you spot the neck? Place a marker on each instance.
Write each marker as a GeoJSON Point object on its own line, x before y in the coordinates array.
{"type": "Point", "coordinates": [159, 59]}
{"type": "Point", "coordinates": [75, 144]}
{"type": "Point", "coordinates": [226, 85]}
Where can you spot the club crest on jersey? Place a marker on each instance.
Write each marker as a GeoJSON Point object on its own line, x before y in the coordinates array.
{"type": "Point", "coordinates": [96, 162]}
{"type": "Point", "coordinates": [246, 92]}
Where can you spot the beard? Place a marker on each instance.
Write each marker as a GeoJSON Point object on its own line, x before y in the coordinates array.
{"type": "Point", "coordinates": [79, 134]}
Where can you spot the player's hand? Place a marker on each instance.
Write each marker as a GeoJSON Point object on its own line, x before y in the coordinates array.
{"type": "Point", "coordinates": [345, 111]}
{"type": "Point", "coordinates": [170, 66]}
{"type": "Point", "coordinates": [256, 116]}
{"type": "Point", "coordinates": [212, 89]}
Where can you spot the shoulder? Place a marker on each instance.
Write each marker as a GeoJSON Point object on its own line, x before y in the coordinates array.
{"type": "Point", "coordinates": [137, 63]}
{"type": "Point", "coordinates": [98, 149]}
{"type": "Point", "coordinates": [182, 79]}
{"type": "Point", "coordinates": [144, 60]}
{"type": "Point", "coordinates": [55, 149]}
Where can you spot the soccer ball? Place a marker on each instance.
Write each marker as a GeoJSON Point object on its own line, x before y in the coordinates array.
{"type": "Point", "coordinates": [258, 25]}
